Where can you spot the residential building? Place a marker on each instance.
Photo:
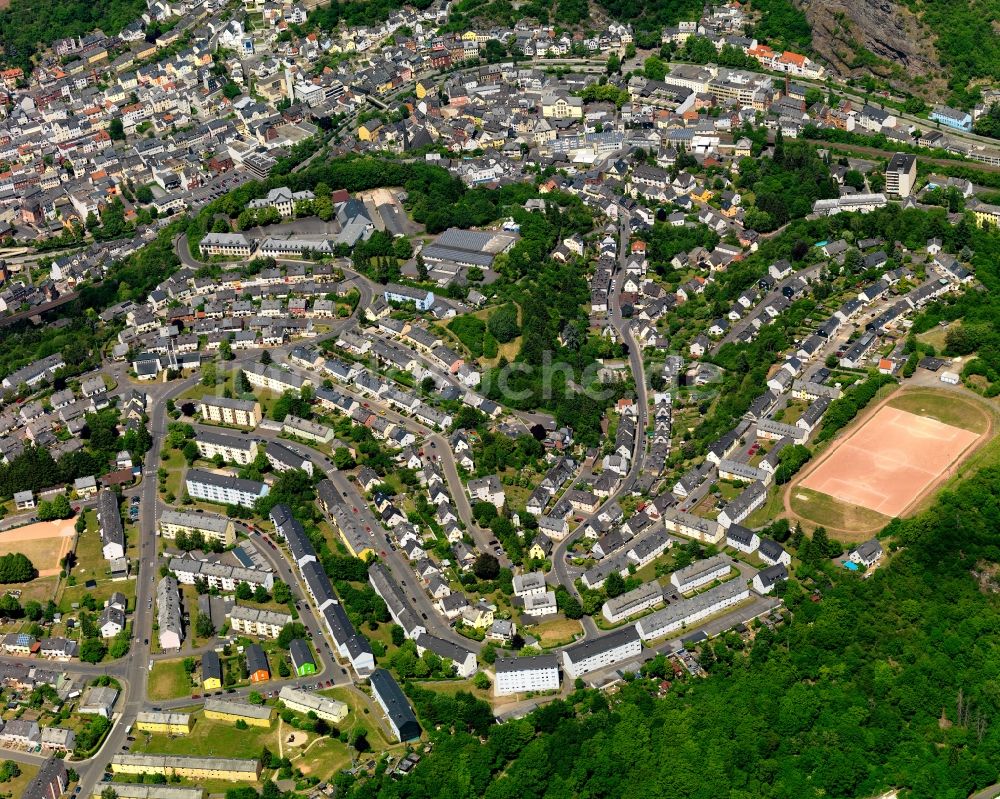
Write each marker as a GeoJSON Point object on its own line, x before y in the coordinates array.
{"type": "Point", "coordinates": [232, 710]}
{"type": "Point", "coordinates": [138, 790]}
{"type": "Point", "coordinates": [765, 580]}
{"type": "Point", "coordinates": [680, 615]}
{"type": "Point", "coordinates": [524, 674]}
{"type": "Point", "coordinates": [701, 572]}
{"type": "Point", "coordinates": [168, 613]}
{"type": "Point", "coordinates": [191, 767]}
{"type": "Point", "coordinates": [257, 665]}
{"type": "Point", "coordinates": [219, 576]}
{"type": "Point", "coordinates": [867, 553]}
{"type": "Point", "coordinates": [212, 526]}
{"type": "Point", "coordinates": [236, 449]}
{"type": "Point", "coordinates": [98, 700]}
{"type": "Point", "coordinates": [302, 658]}
{"type": "Point", "coordinates": [305, 702]}
{"type": "Point", "coordinates": [631, 603]}
{"type": "Point", "coordinates": [50, 782]}
{"type": "Point", "coordinates": [772, 553]}
{"type": "Point", "coordinates": [258, 621]}
{"type": "Point", "coordinates": [220, 488]}
{"type": "Point", "coordinates": [598, 653]}
{"type": "Point", "coordinates": [211, 671]}
{"type": "Point", "coordinates": [110, 521]}
{"type": "Point", "coordinates": [463, 660]}
{"type": "Point", "coordinates": [421, 298]}
{"type": "Point", "coordinates": [223, 410]}
{"type": "Point", "coordinates": [163, 722]}
{"type": "Point", "coordinates": [394, 704]}
{"type": "Point", "coordinates": [901, 174]}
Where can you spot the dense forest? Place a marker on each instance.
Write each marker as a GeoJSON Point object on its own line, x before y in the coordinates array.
{"type": "Point", "coordinates": [786, 186]}
{"type": "Point", "coordinates": [23, 26]}
{"type": "Point", "coordinates": [886, 682]}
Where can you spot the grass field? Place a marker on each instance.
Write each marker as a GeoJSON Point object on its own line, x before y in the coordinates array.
{"type": "Point", "coordinates": [769, 511]}
{"type": "Point", "coordinates": [453, 687]}
{"type": "Point", "coordinates": [824, 510]}
{"type": "Point", "coordinates": [44, 544]}
{"type": "Point", "coordinates": [935, 337]}
{"type": "Point", "coordinates": [321, 757]}
{"type": "Point", "coordinates": [211, 738]}
{"type": "Point", "coordinates": [43, 552]}
{"type": "Point", "coordinates": [944, 406]}
{"type": "Point", "coordinates": [16, 786]}
{"type": "Point", "coordinates": [360, 716]}
{"type": "Point", "coordinates": [91, 565]}
{"type": "Point", "coordinates": [556, 632]}
{"type": "Point", "coordinates": [168, 680]}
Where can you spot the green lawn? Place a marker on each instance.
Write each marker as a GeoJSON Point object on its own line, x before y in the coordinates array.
{"type": "Point", "coordinates": [945, 406]}
{"type": "Point", "coordinates": [556, 632]}
{"type": "Point", "coordinates": [91, 565]}
{"type": "Point", "coordinates": [18, 784]}
{"type": "Point", "coordinates": [361, 715]}
{"type": "Point", "coordinates": [175, 464]}
{"type": "Point", "coordinates": [322, 757]}
{"type": "Point", "coordinates": [935, 337]}
{"type": "Point", "coordinates": [843, 519]}
{"type": "Point", "coordinates": [770, 510]}
{"type": "Point", "coordinates": [168, 680]}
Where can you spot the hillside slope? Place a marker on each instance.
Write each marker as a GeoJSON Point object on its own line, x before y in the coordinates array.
{"type": "Point", "coordinates": [844, 29]}
{"type": "Point", "coordinates": [932, 47]}
{"type": "Point", "coordinates": [24, 26]}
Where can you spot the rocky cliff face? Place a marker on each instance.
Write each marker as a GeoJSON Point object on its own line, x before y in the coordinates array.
{"type": "Point", "coordinates": [844, 29]}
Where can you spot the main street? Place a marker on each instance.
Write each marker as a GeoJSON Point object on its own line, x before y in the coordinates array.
{"type": "Point", "coordinates": [565, 573]}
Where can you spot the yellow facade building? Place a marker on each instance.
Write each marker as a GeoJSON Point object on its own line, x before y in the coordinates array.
{"type": "Point", "coordinates": [224, 710]}
{"type": "Point", "coordinates": [168, 723]}
{"type": "Point", "coordinates": [199, 768]}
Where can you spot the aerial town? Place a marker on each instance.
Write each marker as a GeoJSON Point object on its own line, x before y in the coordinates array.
{"type": "Point", "coordinates": [368, 385]}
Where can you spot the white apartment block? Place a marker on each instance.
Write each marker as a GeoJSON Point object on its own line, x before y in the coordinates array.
{"type": "Point", "coordinates": [681, 615]}
{"type": "Point", "coordinates": [233, 449]}
{"type": "Point", "coordinates": [274, 379]}
{"type": "Point", "coordinates": [701, 572]}
{"type": "Point", "coordinates": [258, 622]}
{"type": "Point", "coordinates": [598, 653]}
{"type": "Point", "coordinates": [219, 488]}
{"type": "Point", "coordinates": [633, 602]}
{"type": "Point", "coordinates": [219, 575]}
{"type": "Point", "coordinates": [520, 675]}
{"type": "Point", "coordinates": [304, 702]}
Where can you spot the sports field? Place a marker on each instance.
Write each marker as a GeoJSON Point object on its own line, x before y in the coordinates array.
{"type": "Point", "coordinates": [44, 543]}
{"type": "Point", "coordinates": [890, 461]}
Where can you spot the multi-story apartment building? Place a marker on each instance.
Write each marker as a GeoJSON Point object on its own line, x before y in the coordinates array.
{"type": "Point", "coordinates": [257, 621]}
{"type": "Point", "coordinates": [901, 174]}
{"type": "Point", "coordinates": [223, 410]}
{"type": "Point", "coordinates": [219, 575]}
{"type": "Point", "coordinates": [211, 525]}
{"type": "Point", "coordinates": [519, 675]}
{"type": "Point", "coordinates": [598, 653]}
{"type": "Point", "coordinates": [198, 768]}
{"type": "Point", "coordinates": [233, 449]}
{"type": "Point", "coordinates": [223, 489]}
